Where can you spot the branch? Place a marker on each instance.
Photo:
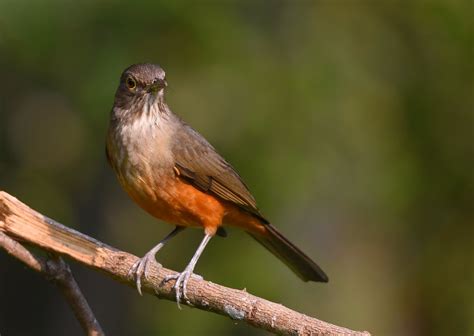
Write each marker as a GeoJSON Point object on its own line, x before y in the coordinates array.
{"type": "Point", "coordinates": [19, 221]}
{"type": "Point", "coordinates": [58, 272]}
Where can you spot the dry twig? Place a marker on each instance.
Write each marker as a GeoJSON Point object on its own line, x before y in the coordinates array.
{"type": "Point", "coordinates": [19, 221]}
{"type": "Point", "coordinates": [58, 272]}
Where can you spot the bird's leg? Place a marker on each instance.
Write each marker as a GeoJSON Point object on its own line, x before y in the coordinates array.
{"type": "Point", "coordinates": [183, 277]}
{"type": "Point", "coordinates": [142, 266]}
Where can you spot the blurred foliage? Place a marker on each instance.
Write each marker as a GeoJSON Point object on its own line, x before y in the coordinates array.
{"type": "Point", "coordinates": [351, 121]}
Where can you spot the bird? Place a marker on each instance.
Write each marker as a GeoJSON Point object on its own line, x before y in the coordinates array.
{"type": "Point", "coordinates": [176, 175]}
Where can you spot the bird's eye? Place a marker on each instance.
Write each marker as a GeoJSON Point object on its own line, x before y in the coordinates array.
{"type": "Point", "coordinates": [131, 83]}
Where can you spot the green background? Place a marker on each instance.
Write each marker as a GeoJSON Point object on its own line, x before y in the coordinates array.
{"type": "Point", "coordinates": [350, 121]}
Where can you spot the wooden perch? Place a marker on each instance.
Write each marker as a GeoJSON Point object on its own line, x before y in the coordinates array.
{"type": "Point", "coordinates": [22, 223]}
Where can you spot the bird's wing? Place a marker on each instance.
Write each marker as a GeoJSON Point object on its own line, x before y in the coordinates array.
{"type": "Point", "coordinates": [199, 163]}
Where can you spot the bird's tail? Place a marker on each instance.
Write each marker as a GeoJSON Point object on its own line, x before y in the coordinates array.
{"type": "Point", "coordinates": [288, 253]}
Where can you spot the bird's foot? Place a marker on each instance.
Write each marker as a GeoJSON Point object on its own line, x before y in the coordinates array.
{"type": "Point", "coordinates": [180, 285]}
{"type": "Point", "coordinates": [141, 269]}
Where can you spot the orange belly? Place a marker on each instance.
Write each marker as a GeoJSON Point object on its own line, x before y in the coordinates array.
{"type": "Point", "coordinates": [177, 202]}
{"type": "Point", "coordinates": [180, 203]}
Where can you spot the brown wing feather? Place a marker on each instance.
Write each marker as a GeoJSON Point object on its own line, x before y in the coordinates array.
{"type": "Point", "coordinates": [199, 163]}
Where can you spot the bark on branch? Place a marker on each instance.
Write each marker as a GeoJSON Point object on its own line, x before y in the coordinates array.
{"type": "Point", "coordinates": [22, 223]}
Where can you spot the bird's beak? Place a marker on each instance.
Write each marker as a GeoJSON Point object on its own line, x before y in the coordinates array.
{"type": "Point", "coordinates": [157, 85]}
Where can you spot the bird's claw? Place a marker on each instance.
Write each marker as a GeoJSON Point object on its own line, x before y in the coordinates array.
{"type": "Point", "coordinates": [180, 285]}
{"type": "Point", "coordinates": [141, 269]}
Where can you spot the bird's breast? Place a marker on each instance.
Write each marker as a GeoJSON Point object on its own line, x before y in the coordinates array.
{"type": "Point", "coordinates": [139, 152]}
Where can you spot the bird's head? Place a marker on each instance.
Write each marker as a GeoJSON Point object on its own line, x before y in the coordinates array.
{"type": "Point", "coordinates": [141, 85]}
